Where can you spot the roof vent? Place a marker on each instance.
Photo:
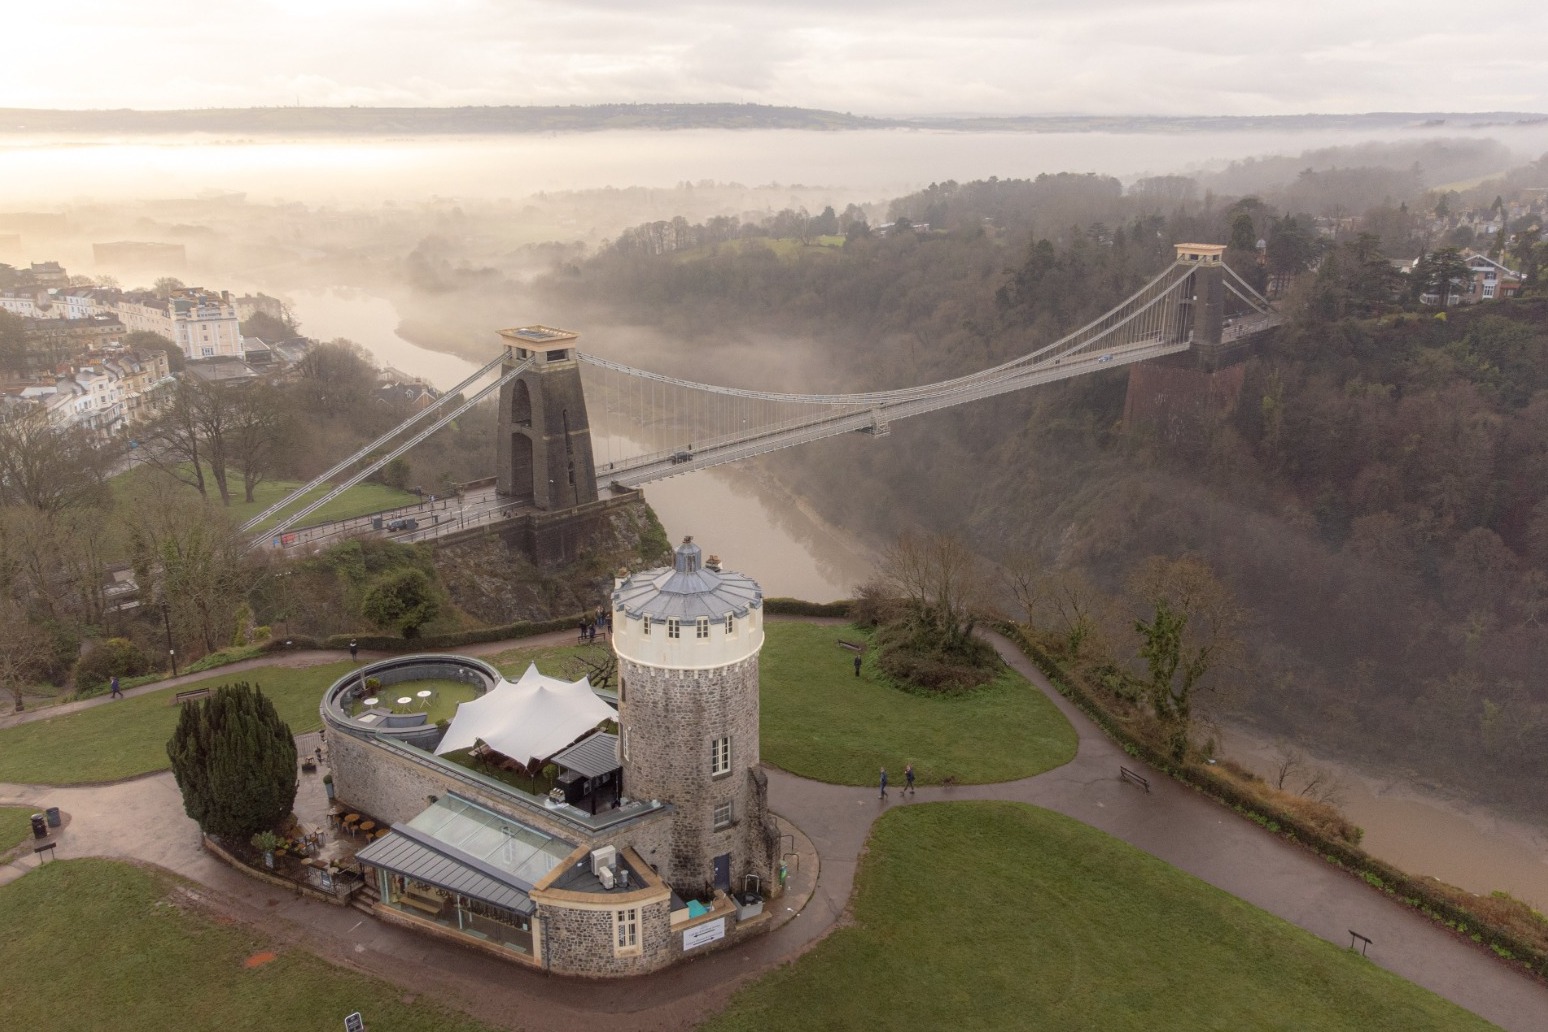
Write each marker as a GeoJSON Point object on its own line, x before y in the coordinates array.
{"type": "Point", "coordinates": [712, 563]}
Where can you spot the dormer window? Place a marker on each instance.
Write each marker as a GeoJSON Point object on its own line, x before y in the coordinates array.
{"type": "Point", "coordinates": [674, 627]}
{"type": "Point", "coordinates": [701, 627]}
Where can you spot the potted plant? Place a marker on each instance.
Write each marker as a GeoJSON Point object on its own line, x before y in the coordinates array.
{"type": "Point", "coordinates": [328, 786]}
{"type": "Point", "coordinates": [266, 842]}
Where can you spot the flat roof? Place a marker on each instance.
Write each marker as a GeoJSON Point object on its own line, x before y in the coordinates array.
{"type": "Point", "coordinates": [591, 757]}
{"type": "Point", "coordinates": [539, 334]}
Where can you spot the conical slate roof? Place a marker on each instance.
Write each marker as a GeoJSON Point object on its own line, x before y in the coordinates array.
{"type": "Point", "coordinates": [687, 590]}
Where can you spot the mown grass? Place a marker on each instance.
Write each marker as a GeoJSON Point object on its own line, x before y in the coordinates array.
{"type": "Point", "coordinates": [1005, 916]}
{"type": "Point", "coordinates": [128, 737]}
{"type": "Point", "coordinates": [821, 721]}
{"type": "Point", "coordinates": [93, 944]}
{"type": "Point", "coordinates": [357, 501]}
{"type": "Point", "coordinates": [15, 827]}
{"type": "Point", "coordinates": [448, 696]}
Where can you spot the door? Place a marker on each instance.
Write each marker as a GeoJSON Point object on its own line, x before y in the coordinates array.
{"type": "Point", "coordinates": [723, 872]}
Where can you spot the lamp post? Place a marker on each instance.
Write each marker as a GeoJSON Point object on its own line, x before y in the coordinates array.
{"type": "Point", "coordinates": [166, 620]}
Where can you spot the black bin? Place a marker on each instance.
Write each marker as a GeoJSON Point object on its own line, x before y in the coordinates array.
{"type": "Point", "coordinates": [53, 816]}
{"type": "Point", "coordinates": [39, 826]}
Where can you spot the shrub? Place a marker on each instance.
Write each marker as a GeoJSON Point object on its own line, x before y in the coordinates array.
{"type": "Point", "coordinates": [235, 762]}
{"type": "Point", "coordinates": [116, 657]}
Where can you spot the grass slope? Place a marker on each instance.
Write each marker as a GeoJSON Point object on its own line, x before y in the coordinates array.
{"type": "Point", "coordinates": [15, 827]}
{"type": "Point", "coordinates": [127, 737]}
{"type": "Point", "coordinates": [822, 722]}
{"type": "Point", "coordinates": [357, 501]}
{"type": "Point", "coordinates": [1005, 916]}
{"type": "Point", "coordinates": [103, 945]}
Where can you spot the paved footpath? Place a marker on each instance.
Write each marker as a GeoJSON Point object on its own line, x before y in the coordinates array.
{"type": "Point", "coordinates": [143, 820]}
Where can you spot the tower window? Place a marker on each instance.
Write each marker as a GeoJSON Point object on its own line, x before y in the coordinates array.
{"type": "Point", "coordinates": [723, 815]}
{"type": "Point", "coordinates": [646, 629]}
{"type": "Point", "coordinates": [626, 931]}
{"type": "Point", "coordinates": [720, 756]}
{"type": "Point", "coordinates": [674, 627]}
{"type": "Point", "coordinates": [701, 627]}
{"type": "Point", "coordinates": [730, 624]}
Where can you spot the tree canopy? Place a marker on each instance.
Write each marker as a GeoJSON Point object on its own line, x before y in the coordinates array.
{"type": "Point", "coordinates": [235, 762]}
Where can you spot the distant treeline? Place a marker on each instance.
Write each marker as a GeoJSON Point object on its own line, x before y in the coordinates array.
{"type": "Point", "coordinates": [594, 117]}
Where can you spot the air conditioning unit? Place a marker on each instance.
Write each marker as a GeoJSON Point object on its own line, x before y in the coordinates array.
{"type": "Point", "coordinates": [606, 876]}
{"type": "Point", "coordinates": [605, 856]}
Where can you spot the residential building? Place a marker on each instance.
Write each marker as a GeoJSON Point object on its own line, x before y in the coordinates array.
{"type": "Point", "coordinates": [1492, 281]}
{"type": "Point", "coordinates": [202, 323]}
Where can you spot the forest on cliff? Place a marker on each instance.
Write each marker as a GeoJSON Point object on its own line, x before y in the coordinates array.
{"type": "Point", "coordinates": [1371, 483]}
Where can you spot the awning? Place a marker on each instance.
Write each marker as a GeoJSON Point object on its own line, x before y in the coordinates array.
{"type": "Point", "coordinates": [591, 757]}
{"type": "Point", "coordinates": [400, 853]}
{"type": "Point", "coordinates": [528, 720]}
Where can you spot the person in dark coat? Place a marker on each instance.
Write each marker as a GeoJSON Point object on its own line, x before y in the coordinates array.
{"type": "Point", "coordinates": [354, 649]}
{"type": "Point", "coordinates": [908, 778]}
{"type": "Point", "coordinates": [117, 692]}
{"type": "Point", "coordinates": [884, 783]}
{"type": "Point", "coordinates": [857, 666]}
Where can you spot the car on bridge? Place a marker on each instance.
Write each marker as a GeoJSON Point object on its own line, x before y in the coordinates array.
{"type": "Point", "coordinates": [681, 457]}
{"type": "Point", "coordinates": [407, 523]}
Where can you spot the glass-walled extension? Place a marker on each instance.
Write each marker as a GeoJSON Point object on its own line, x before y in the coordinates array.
{"type": "Point", "coordinates": [468, 868]}
{"type": "Point", "coordinates": [467, 914]}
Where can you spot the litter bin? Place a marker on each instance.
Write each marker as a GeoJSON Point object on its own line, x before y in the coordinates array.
{"type": "Point", "coordinates": [53, 816]}
{"type": "Point", "coordinates": [39, 826]}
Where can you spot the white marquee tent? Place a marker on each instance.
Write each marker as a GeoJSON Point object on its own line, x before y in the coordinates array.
{"type": "Point", "coordinates": [530, 719]}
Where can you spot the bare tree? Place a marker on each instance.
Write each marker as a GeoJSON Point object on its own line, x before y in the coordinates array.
{"type": "Point", "coordinates": [258, 427]}
{"type": "Point", "coordinates": [51, 468]}
{"type": "Point", "coordinates": [171, 442]}
{"type": "Point", "coordinates": [939, 579]}
{"type": "Point", "coordinates": [26, 653]}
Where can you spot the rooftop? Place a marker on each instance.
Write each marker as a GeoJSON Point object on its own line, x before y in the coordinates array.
{"type": "Point", "coordinates": [687, 589]}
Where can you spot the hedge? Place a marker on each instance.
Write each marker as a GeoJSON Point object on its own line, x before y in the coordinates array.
{"type": "Point", "coordinates": [1376, 873]}
{"type": "Point", "coordinates": [797, 607]}
{"type": "Point", "coordinates": [430, 642]}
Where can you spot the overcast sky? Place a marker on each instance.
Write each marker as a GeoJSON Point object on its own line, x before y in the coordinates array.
{"type": "Point", "coordinates": [897, 57]}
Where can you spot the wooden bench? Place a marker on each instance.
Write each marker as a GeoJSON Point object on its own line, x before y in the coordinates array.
{"type": "Point", "coordinates": [1125, 774]}
{"type": "Point", "coordinates": [190, 695]}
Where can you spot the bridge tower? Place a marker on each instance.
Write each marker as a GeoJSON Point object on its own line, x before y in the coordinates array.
{"type": "Point", "coordinates": [1202, 311]}
{"type": "Point", "coordinates": [543, 451]}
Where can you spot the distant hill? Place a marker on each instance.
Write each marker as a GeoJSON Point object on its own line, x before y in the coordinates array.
{"type": "Point", "coordinates": [591, 118]}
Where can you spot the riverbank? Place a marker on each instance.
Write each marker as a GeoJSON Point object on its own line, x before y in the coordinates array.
{"type": "Point", "coordinates": [1418, 827]}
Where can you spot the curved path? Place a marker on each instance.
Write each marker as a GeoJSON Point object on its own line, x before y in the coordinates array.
{"type": "Point", "coordinates": [143, 820]}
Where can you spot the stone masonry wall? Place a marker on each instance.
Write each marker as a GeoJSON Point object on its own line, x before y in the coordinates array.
{"type": "Point", "coordinates": [671, 718]}
{"type": "Point", "coordinates": [580, 941]}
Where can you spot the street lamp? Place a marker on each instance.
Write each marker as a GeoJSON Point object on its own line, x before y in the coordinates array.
{"type": "Point", "coordinates": [166, 619]}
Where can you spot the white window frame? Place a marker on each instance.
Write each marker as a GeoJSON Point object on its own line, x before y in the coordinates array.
{"type": "Point", "coordinates": [701, 627]}
{"type": "Point", "coordinates": [626, 932]}
{"type": "Point", "coordinates": [720, 756]}
{"type": "Point", "coordinates": [730, 624]}
{"type": "Point", "coordinates": [646, 626]}
{"type": "Point", "coordinates": [674, 627]}
{"type": "Point", "coordinates": [725, 814]}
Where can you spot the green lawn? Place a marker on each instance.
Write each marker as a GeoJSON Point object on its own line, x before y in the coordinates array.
{"type": "Point", "coordinates": [92, 944]}
{"type": "Point", "coordinates": [1004, 916]}
{"type": "Point", "coordinates": [357, 501]}
{"type": "Point", "coordinates": [15, 827]}
{"type": "Point", "coordinates": [127, 737]}
{"type": "Point", "coordinates": [443, 705]}
{"type": "Point", "coordinates": [822, 722]}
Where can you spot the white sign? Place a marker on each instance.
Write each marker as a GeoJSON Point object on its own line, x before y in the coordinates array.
{"type": "Point", "coordinates": [354, 1023]}
{"type": "Point", "coordinates": [699, 935]}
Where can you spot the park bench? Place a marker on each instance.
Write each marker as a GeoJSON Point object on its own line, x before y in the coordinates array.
{"type": "Point", "coordinates": [1125, 774]}
{"type": "Point", "coordinates": [190, 695]}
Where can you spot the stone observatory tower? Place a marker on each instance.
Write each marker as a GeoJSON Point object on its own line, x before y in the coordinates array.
{"type": "Point", "coordinates": [687, 639]}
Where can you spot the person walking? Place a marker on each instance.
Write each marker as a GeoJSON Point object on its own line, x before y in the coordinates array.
{"type": "Point", "coordinates": [117, 692]}
{"type": "Point", "coordinates": [857, 666]}
{"type": "Point", "coordinates": [354, 649]}
{"type": "Point", "coordinates": [884, 782]}
{"type": "Point", "coordinates": [908, 779]}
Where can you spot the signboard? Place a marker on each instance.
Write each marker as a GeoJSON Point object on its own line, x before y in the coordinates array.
{"type": "Point", "coordinates": [700, 935]}
{"type": "Point", "coordinates": [354, 1023]}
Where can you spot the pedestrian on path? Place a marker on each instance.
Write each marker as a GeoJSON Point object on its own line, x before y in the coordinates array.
{"type": "Point", "coordinates": [117, 693]}
{"type": "Point", "coordinates": [354, 649]}
{"type": "Point", "coordinates": [908, 779]}
{"type": "Point", "coordinates": [884, 783]}
{"type": "Point", "coordinates": [857, 666]}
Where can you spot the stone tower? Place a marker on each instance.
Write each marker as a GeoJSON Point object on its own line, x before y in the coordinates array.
{"type": "Point", "coordinates": [687, 639]}
{"type": "Point", "coordinates": [543, 449]}
{"type": "Point", "coordinates": [1202, 313]}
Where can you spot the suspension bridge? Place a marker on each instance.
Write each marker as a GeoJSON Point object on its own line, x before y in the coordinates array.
{"type": "Point", "coordinates": [654, 426]}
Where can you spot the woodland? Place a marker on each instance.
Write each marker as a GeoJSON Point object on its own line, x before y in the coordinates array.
{"type": "Point", "coordinates": [1370, 484]}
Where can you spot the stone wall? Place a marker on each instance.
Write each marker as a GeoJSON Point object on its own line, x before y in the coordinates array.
{"type": "Point", "coordinates": [579, 940]}
{"type": "Point", "coordinates": [671, 719]}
